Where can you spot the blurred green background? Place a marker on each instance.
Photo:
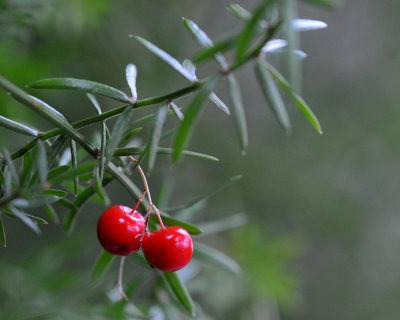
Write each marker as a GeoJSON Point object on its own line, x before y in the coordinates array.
{"type": "Point", "coordinates": [323, 227]}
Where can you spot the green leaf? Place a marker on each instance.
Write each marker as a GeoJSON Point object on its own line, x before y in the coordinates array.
{"type": "Point", "coordinates": [178, 113]}
{"type": "Point", "coordinates": [37, 201]}
{"type": "Point", "coordinates": [299, 101]}
{"type": "Point", "coordinates": [99, 189]}
{"type": "Point", "coordinates": [246, 36]}
{"type": "Point", "coordinates": [168, 221]}
{"type": "Point", "coordinates": [2, 233]}
{"type": "Point", "coordinates": [131, 74]}
{"type": "Point", "coordinates": [239, 11]}
{"type": "Point", "coordinates": [41, 162]}
{"type": "Point", "coordinates": [74, 162]}
{"type": "Point", "coordinates": [70, 174]}
{"type": "Point", "coordinates": [11, 167]}
{"type": "Point", "coordinates": [18, 127]}
{"type": "Point", "coordinates": [166, 58]}
{"type": "Point", "coordinates": [187, 124]}
{"type": "Point", "coordinates": [139, 150]}
{"type": "Point", "coordinates": [80, 200]}
{"type": "Point", "coordinates": [323, 3]}
{"type": "Point", "coordinates": [212, 191]}
{"type": "Point", "coordinates": [25, 220]}
{"type": "Point", "coordinates": [26, 173]}
{"type": "Point", "coordinates": [202, 38]}
{"type": "Point", "coordinates": [80, 85]}
{"type": "Point", "coordinates": [51, 213]}
{"type": "Point", "coordinates": [210, 255]}
{"type": "Point", "coordinates": [57, 171]}
{"type": "Point", "coordinates": [122, 178]}
{"type": "Point", "coordinates": [117, 132]}
{"type": "Point", "coordinates": [55, 148]}
{"type": "Point", "coordinates": [36, 219]}
{"type": "Point", "coordinates": [219, 103]}
{"type": "Point", "coordinates": [47, 112]}
{"type": "Point", "coordinates": [161, 116]}
{"type": "Point", "coordinates": [272, 96]}
{"type": "Point", "coordinates": [101, 266]}
{"type": "Point", "coordinates": [103, 136]}
{"type": "Point", "coordinates": [179, 290]}
{"type": "Point", "coordinates": [230, 222]}
{"type": "Point", "coordinates": [238, 112]}
{"type": "Point", "coordinates": [219, 46]}
{"type": "Point", "coordinates": [128, 136]}
{"type": "Point", "coordinates": [55, 192]}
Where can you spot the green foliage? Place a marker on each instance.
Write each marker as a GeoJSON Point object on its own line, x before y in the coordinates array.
{"type": "Point", "coordinates": [45, 174]}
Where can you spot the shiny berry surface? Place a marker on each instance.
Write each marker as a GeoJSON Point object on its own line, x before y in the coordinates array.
{"type": "Point", "coordinates": [168, 249]}
{"type": "Point", "coordinates": [119, 230]}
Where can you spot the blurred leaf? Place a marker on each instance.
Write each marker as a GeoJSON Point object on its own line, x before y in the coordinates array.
{"type": "Point", "coordinates": [273, 97]}
{"type": "Point", "coordinates": [52, 213]}
{"type": "Point", "coordinates": [168, 221]}
{"type": "Point", "coordinates": [166, 57]}
{"type": "Point", "coordinates": [80, 200]}
{"type": "Point", "coordinates": [189, 66]}
{"type": "Point", "coordinates": [2, 233]}
{"type": "Point", "coordinates": [7, 182]}
{"type": "Point", "coordinates": [55, 192]}
{"type": "Point", "coordinates": [103, 136]}
{"type": "Point", "coordinates": [99, 188]}
{"type": "Point", "coordinates": [66, 203]}
{"type": "Point", "coordinates": [219, 103]}
{"type": "Point", "coordinates": [55, 148]}
{"type": "Point", "coordinates": [25, 220]}
{"type": "Point", "coordinates": [202, 38]}
{"type": "Point", "coordinates": [73, 172]}
{"type": "Point", "coordinates": [156, 134]}
{"type": "Point", "coordinates": [57, 171]}
{"type": "Point", "coordinates": [247, 34]}
{"type": "Point", "coordinates": [176, 110]}
{"type": "Point", "coordinates": [11, 167]}
{"type": "Point", "coordinates": [239, 11]}
{"type": "Point", "coordinates": [101, 266]}
{"type": "Point", "coordinates": [212, 191]}
{"type": "Point", "coordinates": [37, 201]}
{"type": "Point", "coordinates": [117, 132]}
{"type": "Point", "coordinates": [308, 24]}
{"type": "Point", "coordinates": [323, 3]}
{"type": "Point", "coordinates": [74, 163]}
{"type": "Point", "coordinates": [301, 104]}
{"type": "Point", "coordinates": [139, 150]}
{"type": "Point", "coordinates": [128, 136]}
{"type": "Point", "coordinates": [131, 74]}
{"type": "Point", "coordinates": [218, 47]}
{"type": "Point", "coordinates": [36, 219]}
{"type": "Point", "coordinates": [120, 176]}
{"type": "Point", "coordinates": [209, 255]}
{"type": "Point", "coordinates": [179, 290]}
{"type": "Point", "coordinates": [26, 173]}
{"type": "Point", "coordinates": [80, 85]}
{"type": "Point", "coordinates": [224, 224]}
{"type": "Point", "coordinates": [18, 127]}
{"type": "Point", "coordinates": [187, 124]}
{"type": "Point", "coordinates": [238, 111]}
{"type": "Point", "coordinates": [41, 162]}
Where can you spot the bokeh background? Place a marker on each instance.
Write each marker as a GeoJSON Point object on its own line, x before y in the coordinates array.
{"type": "Point", "coordinates": [323, 223]}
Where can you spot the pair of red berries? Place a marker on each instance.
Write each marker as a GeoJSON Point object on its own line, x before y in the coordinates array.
{"type": "Point", "coordinates": [121, 232]}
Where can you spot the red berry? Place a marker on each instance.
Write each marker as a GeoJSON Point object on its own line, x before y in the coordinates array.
{"type": "Point", "coordinates": [168, 249]}
{"type": "Point", "coordinates": [119, 230]}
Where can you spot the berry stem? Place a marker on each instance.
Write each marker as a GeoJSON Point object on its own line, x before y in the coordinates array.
{"type": "Point", "coordinates": [147, 190]}
{"type": "Point", "coordinates": [119, 284]}
{"type": "Point", "coordinates": [139, 202]}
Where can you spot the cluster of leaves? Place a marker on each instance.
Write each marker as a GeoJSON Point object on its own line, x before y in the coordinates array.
{"type": "Point", "coordinates": [48, 174]}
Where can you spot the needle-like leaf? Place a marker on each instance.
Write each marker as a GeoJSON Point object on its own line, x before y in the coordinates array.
{"type": "Point", "coordinates": [80, 85]}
